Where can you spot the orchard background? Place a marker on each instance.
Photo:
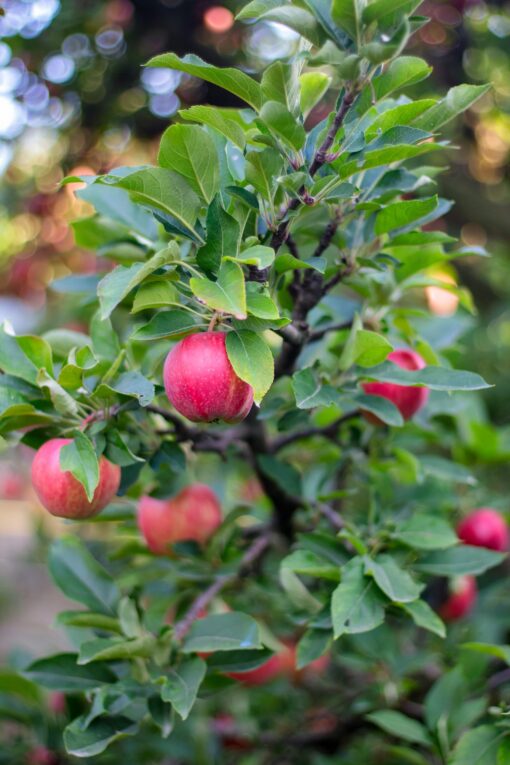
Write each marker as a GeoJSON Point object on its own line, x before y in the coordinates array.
{"type": "Point", "coordinates": [320, 577]}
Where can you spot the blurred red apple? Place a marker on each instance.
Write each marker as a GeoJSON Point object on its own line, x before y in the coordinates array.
{"type": "Point", "coordinates": [200, 381]}
{"type": "Point", "coordinates": [193, 514]}
{"type": "Point", "coordinates": [40, 755]}
{"type": "Point", "coordinates": [407, 398]}
{"type": "Point", "coordinates": [462, 597]}
{"type": "Point", "coordinates": [484, 528]}
{"type": "Point", "coordinates": [281, 664]}
{"type": "Point", "coordinates": [61, 493]}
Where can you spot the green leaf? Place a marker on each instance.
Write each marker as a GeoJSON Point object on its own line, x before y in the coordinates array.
{"type": "Point", "coordinates": [401, 72]}
{"type": "Point", "coordinates": [156, 293]}
{"type": "Point", "coordinates": [224, 121]}
{"type": "Point", "coordinates": [387, 10]}
{"type": "Point", "coordinates": [232, 631]}
{"type": "Point", "coordinates": [356, 605]}
{"type": "Point", "coordinates": [252, 361]}
{"type": "Point", "coordinates": [347, 14]}
{"type": "Point", "coordinates": [312, 645]}
{"type": "Point", "coordinates": [446, 470]}
{"type": "Point", "coordinates": [62, 673]}
{"type": "Point", "coordinates": [114, 203]}
{"type": "Point", "coordinates": [401, 214]}
{"type": "Point", "coordinates": [80, 459]}
{"type": "Point", "coordinates": [80, 576]}
{"type": "Point", "coordinates": [190, 151]}
{"type": "Point", "coordinates": [435, 378]}
{"type": "Point", "coordinates": [283, 125]}
{"type": "Point", "coordinates": [310, 392]}
{"type": "Point", "coordinates": [262, 306]}
{"type": "Point", "coordinates": [321, 9]}
{"type": "Point", "coordinates": [384, 409]}
{"type": "Point", "coordinates": [233, 80]}
{"type": "Point", "coordinates": [402, 114]}
{"type": "Point", "coordinates": [166, 191]}
{"type": "Point", "coordinates": [445, 696]}
{"type": "Point", "coordinates": [478, 746]}
{"type": "Point", "coordinates": [117, 284]}
{"type": "Point", "coordinates": [396, 583]}
{"type": "Point", "coordinates": [81, 740]}
{"type": "Point", "coordinates": [12, 359]}
{"type": "Point", "coordinates": [423, 616]}
{"type": "Point", "coordinates": [426, 532]}
{"type": "Point", "coordinates": [298, 19]}
{"type": "Point", "coordinates": [401, 726]}
{"type": "Point", "coordinates": [280, 83]}
{"type": "Point", "coordinates": [314, 85]}
{"type": "Point", "coordinates": [504, 752]}
{"type": "Point", "coordinates": [258, 255]}
{"type": "Point", "coordinates": [132, 384]}
{"type": "Point", "coordinates": [370, 348]}
{"type": "Point", "coordinates": [168, 324]}
{"type": "Point", "coordinates": [116, 649]}
{"type": "Point", "coordinates": [182, 684]}
{"type": "Point", "coordinates": [309, 563]}
{"type": "Point", "coordinates": [63, 402]}
{"type": "Point", "coordinates": [456, 101]}
{"type": "Point", "coordinates": [460, 560]}
{"type": "Point", "coordinates": [38, 351]}
{"type": "Point", "coordinates": [223, 234]}
{"type": "Point", "coordinates": [105, 342]}
{"type": "Point", "coordinates": [227, 294]}
{"type": "Point", "coordinates": [501, 652]}
{"type": "Point", "coordinates": [262, 170]}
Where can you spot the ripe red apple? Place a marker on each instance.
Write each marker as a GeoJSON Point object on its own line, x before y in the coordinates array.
{"type": "Point", "coordinates": [194, 513]}
{"type": "Point", "coordinates": [407, 398]}
{"type": "Point", "coordinates": [484, 527]}
{"type": "Point", "coordinates": [12, 484]}
{"type": "Point", "coordinates": [463, 591]}
{"type": "Point", "coordinates": [40, 755]}
{"type": "Point", "coordinates": [201, 383]}
{"type": "Point", "coordinates": [61, 493]}
{"type": "Point", "coordinates": [280, 664]}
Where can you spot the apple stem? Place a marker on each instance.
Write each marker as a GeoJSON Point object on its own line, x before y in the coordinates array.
{"type": "Point", "coordinates": [214, 320]}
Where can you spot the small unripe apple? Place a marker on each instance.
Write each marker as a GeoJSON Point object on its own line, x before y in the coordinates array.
{"type": "Point", "coordinates": [61, 493]}
{"type": "Point", "coordinates": [484, 528]}
{"type": "Point", "coordinates": [462, 597]}
{"type": "Point", "coordinates": [407, 398]}
{"type": "Point", "coordinates": [200, 381]}
{"type": "Point", "coordinates": [193, 514]}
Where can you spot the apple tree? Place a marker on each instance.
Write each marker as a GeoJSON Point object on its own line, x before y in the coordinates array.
{"type": "Point", "coordinates": [283, 423]}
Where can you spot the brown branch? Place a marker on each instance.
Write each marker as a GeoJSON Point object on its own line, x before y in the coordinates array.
{"type": "Point", "coordinates": [321, 156]}
{"type": "Point", "coordinates": [328, 234]}
{"type": "Point", "coordinates": [254, 553]}
{"type": "Point", "coordinates": [333, 517]}
{"type": "Point", "coordinates": [326, 432]}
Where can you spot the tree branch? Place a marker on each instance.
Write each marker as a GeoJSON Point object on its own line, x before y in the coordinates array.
{"type": "Point", "coordinates": [328, 234]}
{"type": "Point", "coordinates": [254, 553]}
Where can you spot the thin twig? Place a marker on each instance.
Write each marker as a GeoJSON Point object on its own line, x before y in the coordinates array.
{"type": "Point", "coordinates": [333, 517]}
{"type": "Point", "coordinates": [318, 334]}
{"type": "Point", "coordinates": [328, 234]}
{"type": "Point", "coordinates": [254, 552]}
{"type": "Point", "coordinates": [329, 431]}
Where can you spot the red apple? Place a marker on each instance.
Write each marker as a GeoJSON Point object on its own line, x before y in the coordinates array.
{"type": "Point", "coordinates": [484, 528]}
{"type": "Point", "coordinates": [280, 664]}
{"type": "Point", "coordinates": [201, 383]}
{"type": "Point", "coordinates": [407, 398]}
{"type": "Point", "coordinates": [61, 493]}
{"type": "Point", "coordinates": [12, 484]}
{"type": "Point", "coordinates": [40, 755]}
{"type": "Point", "coordinates": [463, 591]}
{"type": "Point", "coordinates": [57, 702]}
{"type": "Point", "coordinates": [193, 514]}
{"type": "Point", "coordinates": [224, 726]}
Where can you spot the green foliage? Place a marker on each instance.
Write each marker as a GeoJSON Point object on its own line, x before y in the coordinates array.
{"type": "Point", "coordinates": [310, 248]}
